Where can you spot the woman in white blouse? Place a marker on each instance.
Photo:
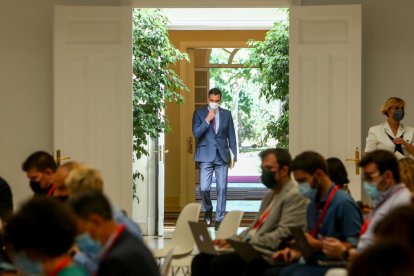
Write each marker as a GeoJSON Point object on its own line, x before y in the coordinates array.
{"type": "Point", "coordinates": [392, 135]}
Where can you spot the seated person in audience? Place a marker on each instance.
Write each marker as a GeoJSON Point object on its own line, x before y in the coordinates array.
{"type": "Point", "coordinates": [331, 213]}
{"type": "Point", "coordinates": [40, 168]}
{"type": "Point", "coordinates": [338, 173]}
{"type": "Point", "coordinates": [384, 259]}
{"type": "Point", "coordinates": [406, 166]}
{"type": "Point", "coordinates": [382, 184]}
{"type": "Point", "coordinates": [40, 234]}
{"type": "Point", "coordinates": [121, 253]}
{"type": "Point", "coordinates": [72, 178]}
{"type": "Point", "coordinates": [282, 207]}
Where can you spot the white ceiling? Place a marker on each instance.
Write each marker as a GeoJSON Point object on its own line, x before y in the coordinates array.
{"type": "Point", "coordinates": [223, 18]}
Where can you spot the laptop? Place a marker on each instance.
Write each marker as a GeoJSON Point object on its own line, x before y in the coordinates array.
{"type": "Point", "coordinates": [245, 250]}
{"type": "Point", "coordinates": [307, 251]}
{"type": "Point", "coordinates": [203, 240]}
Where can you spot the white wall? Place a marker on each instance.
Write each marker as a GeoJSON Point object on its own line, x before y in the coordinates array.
{"type": "Point", "coordinates": [26, 72]}
{"type": "Point", "coordinates": [26, 84]}
{"type": "Point", "coordinates": [387, 55]}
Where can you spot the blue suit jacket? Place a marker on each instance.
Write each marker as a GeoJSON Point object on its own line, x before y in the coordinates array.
{"type": "Point", "coordinates": [208, 142]}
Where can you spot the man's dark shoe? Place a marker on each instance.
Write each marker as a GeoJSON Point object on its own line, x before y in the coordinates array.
{"type": "Point", "coordinates": [217, 225]}
{"type": "Point", "coordinates": [208, 218]}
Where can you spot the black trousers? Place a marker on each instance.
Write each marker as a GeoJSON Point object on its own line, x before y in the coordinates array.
{"type": "Point", "coordinates": [226, 264]}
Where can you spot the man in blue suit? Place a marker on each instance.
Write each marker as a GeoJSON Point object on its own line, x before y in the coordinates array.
{"type": "Point", "coordinates": [214, 130]}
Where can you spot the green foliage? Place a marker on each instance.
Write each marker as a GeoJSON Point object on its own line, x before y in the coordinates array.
{"type": "Point", "coordinates": [271, 56]}
{"type": "Point", "coordinates": [154, 82]}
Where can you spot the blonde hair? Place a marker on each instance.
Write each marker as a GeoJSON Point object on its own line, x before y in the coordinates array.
{"type": "Point", "coordinates": [393, 101]}
{"type": "Point", "coordinates": [406, 166]}
{"type": "Point", "coordinates": [82, 177]}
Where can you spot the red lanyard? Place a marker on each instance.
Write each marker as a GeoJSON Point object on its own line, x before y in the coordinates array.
{"type": "Point", "coordinates": [51, 190]}
{"type": "Point", "coordinates": [116, 235]}
{"type": "Point", "coordinates": [261, 219]}
{"type": "Point", "coordinates": [60, 266]}
{"type": "Point", "coordinates": [325, 208]}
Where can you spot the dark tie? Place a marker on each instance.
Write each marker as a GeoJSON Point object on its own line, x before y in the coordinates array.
{"type": "Point", "coordinates": [398, 147]}
{"type": "Point", "coordinates": [213, 124]}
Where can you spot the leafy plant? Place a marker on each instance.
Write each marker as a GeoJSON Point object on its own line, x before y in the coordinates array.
{"type": "Point", "coordinates": [271, 56]}
{"type": "Point", "coordinates": [154, 82]}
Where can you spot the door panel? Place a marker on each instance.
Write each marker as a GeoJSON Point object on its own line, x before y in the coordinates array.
{"type": "Point", "coordinates": [93, 93]}
{"type": "Point", "coordinates": [325, 83]}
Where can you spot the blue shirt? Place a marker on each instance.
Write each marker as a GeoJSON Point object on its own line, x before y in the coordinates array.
{"type": "Point", "coordinates": [343, 219]}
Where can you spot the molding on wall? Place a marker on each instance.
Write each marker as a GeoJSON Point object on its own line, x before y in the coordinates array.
{"type": "Point", "coordinates": [211, 3]}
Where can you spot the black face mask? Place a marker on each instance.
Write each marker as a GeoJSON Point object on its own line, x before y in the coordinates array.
{"type": "Point", "coordinates": [268, 179]}
{"type": "Point", "coordinates": [36, 188]}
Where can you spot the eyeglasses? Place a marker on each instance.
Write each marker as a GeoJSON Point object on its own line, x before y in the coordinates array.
{"type": "Point", "coordinates": [371, 176]}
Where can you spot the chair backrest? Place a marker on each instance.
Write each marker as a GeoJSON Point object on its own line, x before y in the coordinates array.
{"type": "Point", "coordinates": [229, 225]}
{"type": "Point", "coordinates": [167, 262]}
{"type": "Point", "coordinates": [182, 237]}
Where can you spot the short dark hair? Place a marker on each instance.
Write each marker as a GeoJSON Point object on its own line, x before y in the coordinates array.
{"type": "Point", "coordinates": [337, 171]}
{"type": "Point", "coordinates": [89, 202]}
{"type": "Point", "coordinates": [215, 91]}
{"type": "Point", "coordinates": [43, 225]}
{"type": "Point", "coordinates": [6, 200]}
{"type": "Point", "coordinates": [384, 259]}
{"type": "Point", "coordinates": [385, 161]}
{"type": "Point", "coordinates": [283, 157]}
{"type": "Point", "coordinates": [397, 226]}
{"type": "Point", "coordinates": [40, 160]}
{"type": "Point", "coordinates": [309, 161]}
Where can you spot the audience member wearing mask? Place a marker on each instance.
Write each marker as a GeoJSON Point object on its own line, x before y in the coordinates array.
{"type": "Point", "coordinates": [382, 184]}
{"type": "Point", "coordinates": [40, 234]}
{"type": "Point", "coordinates": [392, 135]}
{"type": "Point", "coordinates": [40, 168]}
{"type": "Point", "coordinates": [331, 212]}
{"type": "Point", "coordinates": [120, 252]}
{"type": "Point", "coordinates": [74, 177]}
{"type": "Point", "coordinates": [282, 207]}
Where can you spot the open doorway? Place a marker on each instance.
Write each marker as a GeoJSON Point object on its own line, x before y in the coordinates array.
{"type": "Point", "coordinates": [228, 70]}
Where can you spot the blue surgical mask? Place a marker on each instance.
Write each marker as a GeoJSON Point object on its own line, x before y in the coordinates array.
{"type": "Point", "coordinates": [88, 245]}
{"type": "Point", "coordinates": [398, 115]}
{"type": "Point", "coordinates": [372, 190]}
{"type": "Point", "coordinates": [28, 267]}
{"type": "Point", "coordinates": [306, 190]}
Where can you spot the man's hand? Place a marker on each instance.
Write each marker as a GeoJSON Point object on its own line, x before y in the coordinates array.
{"type": "Point", "coordinates": [333, 248]}
{"type": "Point", "coordinates": [221, 243]}
{"type": "Point", "coordinates": [314, 243]}
{"type": "Point", "coordinates": [210, 116]}
{"type": "Point", "coordinates": [288, 255]}
{"type": "Point", "coordinates": [232, 164]}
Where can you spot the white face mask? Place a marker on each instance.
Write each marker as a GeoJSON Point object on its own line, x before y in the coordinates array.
{"type": "Point", "coordinates": [213, 105]}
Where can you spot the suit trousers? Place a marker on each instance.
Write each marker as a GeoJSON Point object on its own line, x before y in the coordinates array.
{"type": "Point", "coordinates": [220, 168]}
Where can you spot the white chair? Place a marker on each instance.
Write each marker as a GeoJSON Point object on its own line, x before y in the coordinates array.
{"type": "Point", "coordinates": [165, 266]}
{"type": "Point", "coordinates": [227, 228]}
{"type": "Point", "coordinates": [182, 240]}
